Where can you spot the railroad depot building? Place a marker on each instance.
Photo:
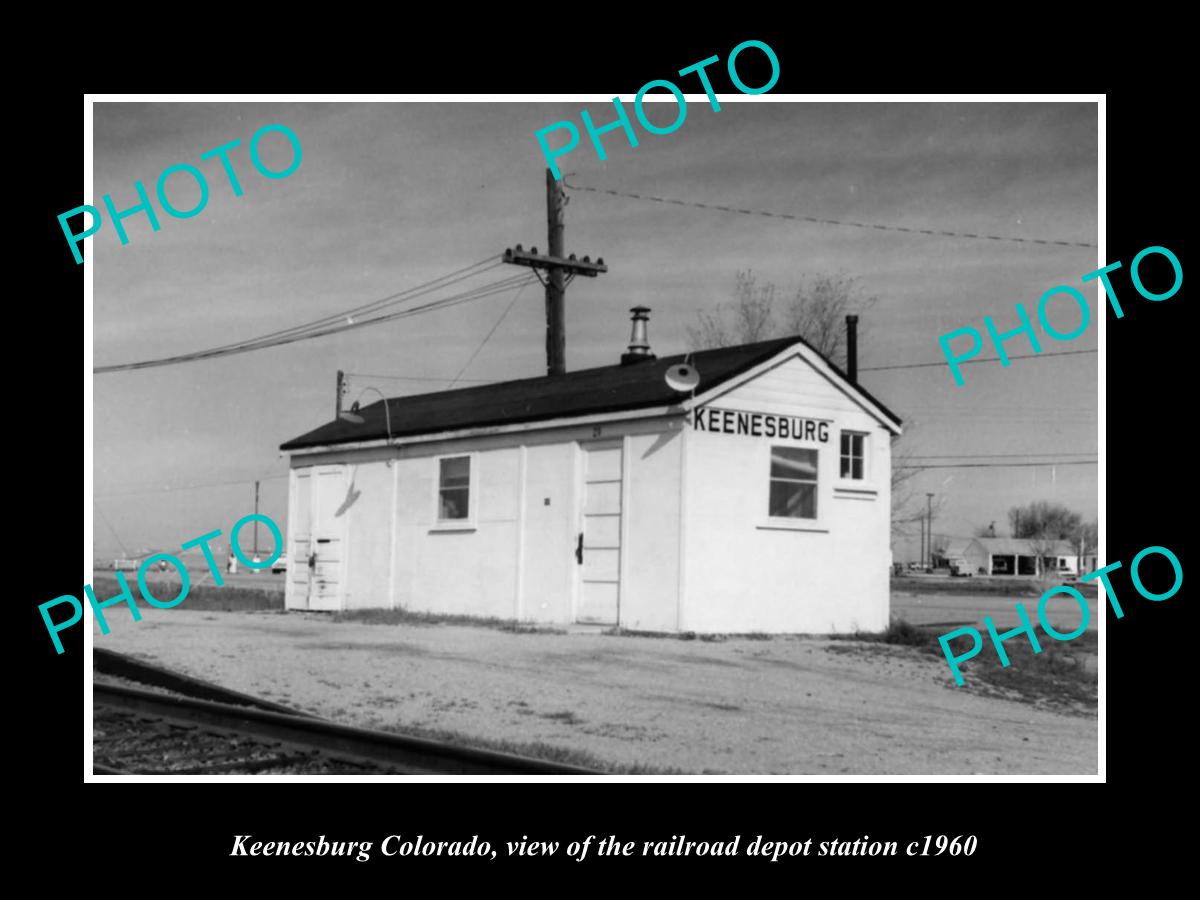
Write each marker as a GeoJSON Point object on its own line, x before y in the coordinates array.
{"type": "Point", "coordinates": [756, 499]}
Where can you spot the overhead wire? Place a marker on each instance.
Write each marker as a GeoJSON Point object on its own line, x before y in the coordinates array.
{"type": "Point", "coordinates": [477, 293]}
{"type": "Point", "coordinates": [969, 362]}
{"type": "Point", "coordinates": [443, 281]}
{"type": "Point", "coordinates": [484, 265]}
{"type": "Point", "coordinates": [824, 221]}
{"type": "Point", "coordinates": [416, 378]}
{"type": "Point", "coordinates": [921, 365]}
{"type": "Point", "coordinates": [993, 455]}
{"type": "Point", "coordinates": [1011, 465]}
{"type": "Point", "coordinates": [488, 336]}
{"type": "Point", "coordinates": [187, 487]}
{"type": "Point", "coordinates": [112, 530]}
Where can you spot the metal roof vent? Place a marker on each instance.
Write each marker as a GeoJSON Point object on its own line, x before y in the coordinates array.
{"type": "Point", "coordinates": [639, 343]}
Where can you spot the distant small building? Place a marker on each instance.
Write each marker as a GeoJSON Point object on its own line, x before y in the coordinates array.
{"type": "Point", "coordinates": [1015, 556]}
{"type": "Point", "coordinates": [963, 555]}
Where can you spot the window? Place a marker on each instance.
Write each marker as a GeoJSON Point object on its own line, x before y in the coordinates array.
{"type": "Point", "coordinates": [853, 455]}
{"type": "Point", "coordinates": [793, 483]}
{"type": "Point", "coordinates": [454, 488]}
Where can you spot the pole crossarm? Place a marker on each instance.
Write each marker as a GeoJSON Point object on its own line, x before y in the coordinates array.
{"type": "Point", "coordinates": [559, 269]}
{"type": "Point", "coordinates": [520, 257]}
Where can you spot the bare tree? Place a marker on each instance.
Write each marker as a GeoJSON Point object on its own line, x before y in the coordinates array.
{"type": "Point", "coordinates": [907, 513]}
{"type": "Point", "coordinates": [1043, 519]}
{"type": "Point", "coordinates": [1084, 541]}
{"type": "Point", "coordinates": [939, 546]}
{"type": "Point", "coordinates": [748, 317]}
{"type": "Point", "coordinates": [1045, 548]}
{"type": "Point", "coordinates": [816, 312]}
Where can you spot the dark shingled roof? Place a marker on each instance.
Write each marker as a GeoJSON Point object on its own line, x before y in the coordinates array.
{"type": "Point", "coordinates": [586, 392]}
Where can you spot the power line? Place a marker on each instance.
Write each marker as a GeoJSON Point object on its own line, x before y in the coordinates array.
{"type": "Point", "coordinates": [1013, 465]}
{"type": "Point", "coordinates": [819, 221]}
{"type": "Point", "coordinates": [417, 378]}
{"type": "Point", "coordinates": [488, 337]}
{"type": "Point", "coordinates": [390, 300]}
{"type": "Point", "coordinates": [216, 352]}
{"type": "Point", "coordinates": [966, 362]}
{"type": "Point", "coordinates": [398, 297]}
{"type": "Point", "coordinates": [993, 455]}
{"type": "Point", "coordinates": [186, 487]}
{"type": "Point", "coordinates": [112, 530]}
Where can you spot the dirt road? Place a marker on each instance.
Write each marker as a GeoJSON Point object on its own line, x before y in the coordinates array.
{"type": "Point", "coordinates": [787, 705]}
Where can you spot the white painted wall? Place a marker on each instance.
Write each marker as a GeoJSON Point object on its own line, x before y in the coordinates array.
{"type": "Point", "coordinates": [746, 572]}
{"type": "Point", "coordinates": [651, 544]}
{"type": "Point", "coordinates": [369, 535]}
{"type": "Point", "coordinates": [515, 557]}
{"type": "Point", "coordinates": [468, 569]}
{"type": "Point", "coordinates": [550, 528]}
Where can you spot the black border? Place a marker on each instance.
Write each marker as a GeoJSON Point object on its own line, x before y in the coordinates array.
{"type": "Point", "coordinates": [1147, 379]}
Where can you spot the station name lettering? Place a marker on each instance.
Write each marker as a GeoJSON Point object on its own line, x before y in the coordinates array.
{"type": "Point", "coordinates": [728, 421]}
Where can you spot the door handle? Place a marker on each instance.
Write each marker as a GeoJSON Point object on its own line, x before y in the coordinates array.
{"type": "Point", "coordinates": [579, 550]}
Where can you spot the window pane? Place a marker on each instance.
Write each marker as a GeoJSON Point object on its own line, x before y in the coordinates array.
{"type": "Point", "coordinates": [454, 503]}
{"type": "Point", "coordinates": [456, 472]}
{"type": "Point", "coordinates": [454, 482]}
{"type": "Point", "coordinates": [845, 444]}
{"type": "Point", "coordinates": [856, 442]}
{"type": "Point", "coordinates": [857, 470]}
{"type": "Point", "coordinates": [845, 467]}
{"type": "Point", "coordinates": [797, 501]}
{"type": "Point", "coordinates": [793, 462]}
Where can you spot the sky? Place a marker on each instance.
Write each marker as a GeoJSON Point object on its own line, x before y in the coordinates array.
{"type": "Point", "coordinates": [391, 195]}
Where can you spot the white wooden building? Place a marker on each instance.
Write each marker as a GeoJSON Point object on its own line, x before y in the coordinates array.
{"type": "Point", "coordinates": [759, 501]}
{"type": "Point", "coordinates": [1022, 556]}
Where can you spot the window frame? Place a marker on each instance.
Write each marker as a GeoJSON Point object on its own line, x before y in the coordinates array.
{"type": "Point", "coordinates": [865, 478]}
{"type": "Point", "coordinates": [794, 523]}
{"type": "Point", "coordinates": [468, 523]}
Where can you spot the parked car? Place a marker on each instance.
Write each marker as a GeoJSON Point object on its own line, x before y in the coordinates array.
{"type": "Point", "coordinates": [280, 565]}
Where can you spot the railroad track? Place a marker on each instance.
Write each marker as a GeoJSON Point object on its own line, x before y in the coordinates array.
{"type": "Point", "coordinates": [109, 662]}
{"type": "Point", "coordinates": [137, 731]}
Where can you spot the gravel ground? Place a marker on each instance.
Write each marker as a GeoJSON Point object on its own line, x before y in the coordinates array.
{"type": "Point", "coordinates": [788, 705]}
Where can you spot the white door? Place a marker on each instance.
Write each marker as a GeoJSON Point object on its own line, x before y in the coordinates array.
{"type": "Point", "coordinates": [300, 539]}
{"type": "Point", "coordinates": [317, 556]}
{"type": "Point", "coordinates": [598, 545]}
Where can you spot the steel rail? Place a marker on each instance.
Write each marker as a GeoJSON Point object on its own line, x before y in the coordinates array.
{"type": "Point", "coordinates": [110, 662]}
{"type": "Point", "coordinates": [411, 754]}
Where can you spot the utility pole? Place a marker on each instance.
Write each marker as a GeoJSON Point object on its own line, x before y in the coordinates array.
{"type": "Point", "coordinates": [556, 281]}
{"type": "Point", "coordinates": [560, 271]}
{"type": "Point", "coordinates": [256, 520]}
{"type": "Point", "coordinates": [341, 392]}
{"type": "Point", "coordinates": [929, 518]}
{"type": "Point", "coordinates": [922, 542]}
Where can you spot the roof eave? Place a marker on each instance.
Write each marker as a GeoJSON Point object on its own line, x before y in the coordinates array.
{"type": "Point", "coordinates": [646, 412]}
